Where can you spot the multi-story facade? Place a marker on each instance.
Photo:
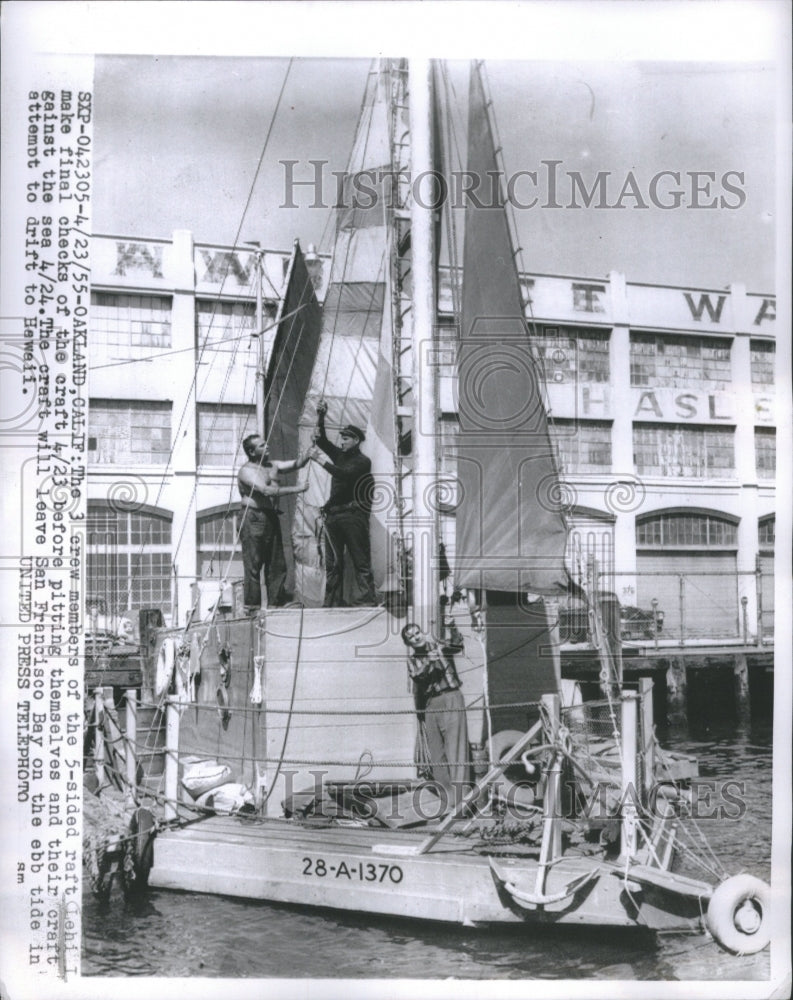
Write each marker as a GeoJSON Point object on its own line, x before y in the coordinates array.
{"type": "Point", "coordinates": [661, 399]}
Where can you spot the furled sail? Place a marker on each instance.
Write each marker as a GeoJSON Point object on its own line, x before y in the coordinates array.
{"type": "Point", "coordinates": [288, 377]}
{"type": "Point", "coordinates": [510, 535]}
{"type": "Point", "coordinates": [356, 318]}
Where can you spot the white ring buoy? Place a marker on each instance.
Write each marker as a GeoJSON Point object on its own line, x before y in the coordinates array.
{"type": "Point", "coordinates": [739, 916]}
{"type": "Point", "coordinates": [164, 671]}
{"type": "Point", "coordinates": [513, 792]}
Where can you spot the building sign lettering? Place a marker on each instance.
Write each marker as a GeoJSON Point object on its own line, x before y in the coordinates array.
{"type": "Point", "coordinates": [586, 298]}
{"type": "Point", "coordinates": [219, 264]}
{"type": "Point", "coordinates": [669, 405]}
{"type": "Point", "coordinates": [138, 257]}
{"type": "Point", "coordinates": [767, 310]}
{"type": "Point", "coordinates": [705, 304]}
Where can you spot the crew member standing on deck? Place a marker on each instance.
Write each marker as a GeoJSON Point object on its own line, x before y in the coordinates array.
{"type": "Point", "coordinates": [346, 514]}
{"type": "Point", "coordinates": [440, 700]}
{"type": "Point", "coordinates": [260, 531]}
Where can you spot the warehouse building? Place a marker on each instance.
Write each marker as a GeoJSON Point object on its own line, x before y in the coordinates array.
{"type": "Point", "coordinates": [661, 398]}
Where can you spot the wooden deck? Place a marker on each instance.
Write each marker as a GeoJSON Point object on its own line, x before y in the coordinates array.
{"type": "Point", "coordinates": [372, 870]}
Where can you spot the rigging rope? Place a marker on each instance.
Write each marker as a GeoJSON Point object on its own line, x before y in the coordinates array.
{"type": "Point", "coordinates": [175, 435]}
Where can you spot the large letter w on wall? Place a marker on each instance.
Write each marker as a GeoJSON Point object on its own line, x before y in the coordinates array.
{"type": "Point", "coordinates": [138, 257]}
{"type": "Point", "coordinates": [220, 263]}
{"type": "Point", "coordinates": [714, 312]}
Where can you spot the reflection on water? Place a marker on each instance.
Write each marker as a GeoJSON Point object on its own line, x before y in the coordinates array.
{"type": "Point", "coordinates": [184, 934]}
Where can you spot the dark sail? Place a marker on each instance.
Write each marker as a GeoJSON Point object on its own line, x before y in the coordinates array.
{"type": "Point", "coordinates": [510, 536]}
{"type": "Point", "coordinates": [288, 378]}
{"type": "Point", "coordinates": [291, 358]}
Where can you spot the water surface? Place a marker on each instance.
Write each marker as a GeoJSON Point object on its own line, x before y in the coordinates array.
{"type": "Point", "coordinates": [184, 934]}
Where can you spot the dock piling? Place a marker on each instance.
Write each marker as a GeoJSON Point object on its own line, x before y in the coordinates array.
{"type": "Point", "coordinates": [676, 689]}
{"type": "Point", "coordinates": [741, 677]}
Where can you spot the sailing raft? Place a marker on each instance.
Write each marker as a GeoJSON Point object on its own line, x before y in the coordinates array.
{"type": "Point", "coordinates": [294, 769]}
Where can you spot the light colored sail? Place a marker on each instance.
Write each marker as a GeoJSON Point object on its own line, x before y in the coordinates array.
{"type": "Point", "coordinates": [354, 344]}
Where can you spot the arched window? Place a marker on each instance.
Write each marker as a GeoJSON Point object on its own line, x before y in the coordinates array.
{"type": "Point", "coordinates": [129, 556]}
{"type": "Point", "coordinates": [766, 537]}
{"type": "Point", "coordinates": [766, 533]}
{"type": "Point", "coordinates": [686, 561]}
{"type": "Point", "coordinates": [219, 553]}
{"type": "Point", "coordinates": [686, 529]}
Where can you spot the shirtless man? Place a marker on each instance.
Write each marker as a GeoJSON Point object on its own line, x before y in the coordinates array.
{"type": "Point", "coordinates": [260, 532]}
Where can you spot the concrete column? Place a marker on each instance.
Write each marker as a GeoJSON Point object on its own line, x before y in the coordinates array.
{"type": "Point", "coordinates": [625, 558]}
{"type": "Point", "coordinates": [622, 438]}
{"type": "Point", "coordinates": [745, 465]}
{"type": "Point", "coordinates": [748, 549]}
{"type": "Point", "coordinates": [183, 417]}
{"type": "Point", "coordinates": [739, 308]}
{"type": "Point", "coordinates": [745, 469]}
{"type": "Point", "coordinates": [620, 368]}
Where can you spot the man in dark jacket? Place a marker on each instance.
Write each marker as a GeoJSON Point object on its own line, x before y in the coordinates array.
{"type": "Point", "coordinates": [346, 514]}
{"type": "Point", "coordinates": [440, 701]}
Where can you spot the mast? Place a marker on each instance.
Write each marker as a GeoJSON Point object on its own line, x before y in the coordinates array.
{"type": "Point", "coordinates": [424, 529]}
{"type": "Point", "coordinates": [260, 373]}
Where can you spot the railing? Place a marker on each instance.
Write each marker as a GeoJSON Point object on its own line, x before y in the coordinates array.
{"type": "Point", "coordinates": [663, 608]}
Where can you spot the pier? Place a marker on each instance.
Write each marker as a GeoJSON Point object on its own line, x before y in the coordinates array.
{"type": "Point", "coordinates": [725, 681]}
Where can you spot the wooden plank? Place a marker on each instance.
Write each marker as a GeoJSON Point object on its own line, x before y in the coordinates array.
{"type": "Point", "coordinates": [491, 775]}
{"type": "Point", "coordinates": [276, 832]}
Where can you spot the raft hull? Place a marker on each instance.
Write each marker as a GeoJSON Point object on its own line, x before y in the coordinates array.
{"type": "Point", "coordinates": [371, 870]}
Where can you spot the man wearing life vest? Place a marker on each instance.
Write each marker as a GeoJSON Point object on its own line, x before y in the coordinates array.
{"type": "Point", "coordinates": [441, 710]}
{"type": "Point", "coordinates": [260, 531]}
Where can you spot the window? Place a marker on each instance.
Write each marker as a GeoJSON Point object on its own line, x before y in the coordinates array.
{"type": "Point", "coordinates": [124, 432]}
{"type": "Point", "coordinates": [221, 429]}
{"type": "Point", "coordinates": [680, 362]}
{"type": "Point", "coordinates": [129, 557]}
{"type": "Point", "coordinates": [682, 450]}
{"type": "Point", "coordinates": [582, 446]}
{"type": "Point", "coordinates": [766, 532]}
{"type": "Point", "coordinates": [762, 361]}
{"type": "Point", "coordinates": [219, 553]}
{"type": "Point", "coordinates": [765, 452]}
{"type": "Point", "coordinates": [570, 355]}
{"type": "Point", "coordinates": [449, 431]}
{"type": "Point", "coordinates": [130, 321]}
{"type": "Point", "coordinates": [678, 530]}
{"type": "Point", "coordinates": [229, 325]}
{"type": "Point", "coordinates": [443, 359]}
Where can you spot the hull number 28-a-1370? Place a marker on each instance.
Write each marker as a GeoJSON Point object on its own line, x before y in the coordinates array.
{"type": "Point", "coordinates": [361, 871]}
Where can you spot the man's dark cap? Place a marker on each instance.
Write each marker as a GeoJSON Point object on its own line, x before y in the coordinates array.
{"type": "Point", "coordinates": [350, 430]}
